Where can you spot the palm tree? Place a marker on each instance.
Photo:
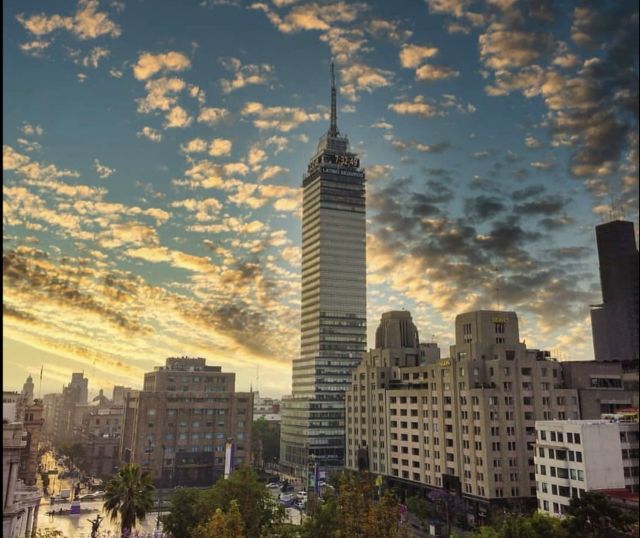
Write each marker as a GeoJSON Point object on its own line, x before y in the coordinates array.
{"type": "Point", "coordinates": [129, 495]}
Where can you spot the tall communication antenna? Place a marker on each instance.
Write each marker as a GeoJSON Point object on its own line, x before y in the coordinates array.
{"type": "Point", "coordinates": [333, 127]}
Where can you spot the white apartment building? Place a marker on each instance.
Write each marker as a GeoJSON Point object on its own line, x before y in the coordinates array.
{"type": "Point", "coordinates": [575, 456]}
{"type": "Point", "coordinates": [464, 423]}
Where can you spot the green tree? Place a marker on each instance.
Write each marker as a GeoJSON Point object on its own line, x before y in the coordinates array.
{"type": "Point", "coordinates": [129, 496]}
{"type": "Point", "coordinates": [593, 515]}
{"type": "Point", "coordinates": [322, 517]}
{"type": "Point", "coordinates": [265, 441]}
{"type": "Point", "coordinates": [222, 525]}
{"type": "Point", "coordinates": [420, 507]}
{"type": "Point", "coordinates": [258, 509]}
{"type": "Point", "coordinates": [189, 507]}
{"type": "Point", "coordinates": [353, 513]}
{"type": "Point", "coordinates": [539, 525]}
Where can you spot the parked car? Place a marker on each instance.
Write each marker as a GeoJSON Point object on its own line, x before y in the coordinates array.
{"type": "Point", "coordinates": [273, 486]}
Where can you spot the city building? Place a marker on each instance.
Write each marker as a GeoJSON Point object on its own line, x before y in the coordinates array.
{"type": "Point", "coordinates": [466, 423]}
{"type": "Point", "coordinates": [21, 407]}
{"type": "Point", "coordinates": [120, 394]}
{"type": "Point", "coordinates": [33, 422]}
{"type": "Point", "coordinates": [333, 313]}
{"type": "Point", "coordinates": [575, 456]}
{"type": "Point", "coordinates": [615, 322]}
{"type": "Point", "coordinates": [264, 406]}
{"type": "Point", "coordinates": [52, 405]}
{"type": "Point", "coordinates": [20, 502]}
{"type": "Point", "coordinates": [101, 435]}
{"type": "Point", "coordinates": [600, 385]}
{"type": "Point", "coordinates": [178, 424]}
{"type": "Point", "coordinates": [63, 413]}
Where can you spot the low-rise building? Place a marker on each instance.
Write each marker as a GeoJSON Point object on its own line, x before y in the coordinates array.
{"type": "Point", "coordinates": [575, 456]}
{"type": "Point", "coordinates": [179, 424]}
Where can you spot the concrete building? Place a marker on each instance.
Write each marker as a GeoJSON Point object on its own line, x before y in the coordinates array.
{"type": "Point", "coordinates": [464, 423]}
{"type": "Point", "coordinates": [333, 317]}
{"type": "Point", "coordinates": [575, 456]}
{"type": "Point", "coordinates": [120, 394]}
{"type": "Point", "coordinates": [177, 426]}
{"type": "Point", "coordinates": [615, 321]}
{"type": "Point", "coordinates": [264, 406]}
{"type": "Point", "coordinates": [20, 503]}
{"type": "Point", "coordinates": [63, 412]}
{"type": "Point", "coordinates": [600, 385]}
{"type": "Point", "coordinates": [20, 408]}
{"type": "Point", "coordinates": [52, 412]}
{"type": "Point", "coordinates": [102, 434]}
{"type": "Point", "coordinates": [33, 422]}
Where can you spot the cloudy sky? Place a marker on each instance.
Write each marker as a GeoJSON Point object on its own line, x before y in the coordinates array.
{"type": "Point", "coordinates": [153, 154]}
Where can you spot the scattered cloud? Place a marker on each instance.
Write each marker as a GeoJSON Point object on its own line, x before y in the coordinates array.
{"type": "Point", "coordinates": [87, 23]}
{"type": "Point", "coordinates": [220, 147]}
{"type": "Point", "coordinates": [244, 75]}
{"type": "Point", "coordinates": [417, 107]}
{"type": "Point", "coordinates": [103, 171]}
{"type": "Point", "coordinates": [411, 56]}
{"type": "Point", "coordinates": [152, 134]}
{"type": "Point", "coordinates": [149, 64]}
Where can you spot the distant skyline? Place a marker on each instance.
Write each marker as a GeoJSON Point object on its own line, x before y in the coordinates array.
{"type": "Point", "coordinates": [153, 155]}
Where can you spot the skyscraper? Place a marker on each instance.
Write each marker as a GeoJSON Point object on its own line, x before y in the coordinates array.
{"type": "Point", "coordinates": [333, 321]}
{"type": "Point", "coordinates": [615, 322]}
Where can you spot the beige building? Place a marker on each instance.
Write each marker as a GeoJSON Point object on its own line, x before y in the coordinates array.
{"type": "Point", "coordinates": [464, 423]}
{"type": "Point", "coordinates": [101, 433]}
{"type": "Point", "coordinates": [177, 426]}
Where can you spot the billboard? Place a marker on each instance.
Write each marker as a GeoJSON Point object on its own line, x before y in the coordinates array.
{"type": "Point", "coordinates": [229, 457]}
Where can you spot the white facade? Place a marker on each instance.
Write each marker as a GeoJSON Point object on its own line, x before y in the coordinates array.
{"type": "Point", "coordinates": [574, 456]}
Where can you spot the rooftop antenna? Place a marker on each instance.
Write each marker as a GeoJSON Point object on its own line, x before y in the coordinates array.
{"type": "Point", "coordinates": [333, 128]}
{"type": "Point", "coordinates": [497, 287]}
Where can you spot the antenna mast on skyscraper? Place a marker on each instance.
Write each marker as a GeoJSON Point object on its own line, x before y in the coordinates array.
{"type": "Point", "coordinates": [333, 128]}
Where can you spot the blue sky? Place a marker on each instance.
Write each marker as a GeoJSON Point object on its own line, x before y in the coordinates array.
{"type": "Point", "coordinates": [153, 154]}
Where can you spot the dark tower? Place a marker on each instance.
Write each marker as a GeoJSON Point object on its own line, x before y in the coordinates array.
{"type": "Point", "coordinates": [615, 321]}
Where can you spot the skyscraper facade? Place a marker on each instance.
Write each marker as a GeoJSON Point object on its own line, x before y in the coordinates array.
{"type": "Point", "coordinates": [615, 321]}
{"type": "Point", "coordinates": [333, 317]}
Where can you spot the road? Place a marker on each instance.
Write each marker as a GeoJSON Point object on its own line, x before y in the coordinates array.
{"type": "Point", "coordinates": [79, 526]}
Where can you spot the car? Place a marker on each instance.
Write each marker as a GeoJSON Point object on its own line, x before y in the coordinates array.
{"type": "Point", "coordinates": [87, 497]}
{"type": "Point", "coordinates": [302, 494]}
{"type": "Point", "coordinates": [272, 486]}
